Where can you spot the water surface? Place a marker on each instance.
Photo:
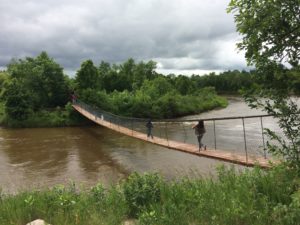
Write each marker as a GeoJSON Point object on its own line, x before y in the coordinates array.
{"type": "Point", "coordinates": [39, 157]}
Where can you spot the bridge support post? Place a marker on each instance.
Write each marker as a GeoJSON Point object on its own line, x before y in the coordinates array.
{"type": "Point", "coordinates": [185, 135]}
{"type": "Point", "coordinates": [159, 125]}
{"type": "Point", "coordinates": [215, 136]}
{"type": "Point", "coordinates": [118, 123]}
{"type": "Point", "coordinates": [245, 140]}
{"type": "Point", "coordinates": [166, 131]}
{"type": "Point", "coordinates": [263, 138]}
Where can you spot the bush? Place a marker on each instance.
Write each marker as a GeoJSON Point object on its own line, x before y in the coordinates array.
{"type": "Point", "coordinates": [141, 191]}
{"type": "Point", "coordinates": [250, 197]}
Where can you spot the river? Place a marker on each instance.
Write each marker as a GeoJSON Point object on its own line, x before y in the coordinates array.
{"type": "Point", "coordinates": [42, 157]}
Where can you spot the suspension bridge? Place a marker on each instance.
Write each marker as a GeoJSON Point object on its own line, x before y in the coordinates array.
{"type": "Point", "coordinates": [135, 127]}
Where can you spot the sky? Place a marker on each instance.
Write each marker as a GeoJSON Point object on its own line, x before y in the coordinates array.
{"type": "Point", "coordinates": [182, 36]}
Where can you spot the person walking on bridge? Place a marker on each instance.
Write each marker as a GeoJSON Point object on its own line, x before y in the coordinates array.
{"type": "Point", "coordinates": [73, 97]}
{"type": "Point", "coordinates": [200, 131]}
{"type": "Point", "coordinates": [149, 126]}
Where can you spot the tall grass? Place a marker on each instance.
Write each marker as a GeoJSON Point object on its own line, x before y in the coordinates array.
{"type": "Point", "coordinates": [251, 197]}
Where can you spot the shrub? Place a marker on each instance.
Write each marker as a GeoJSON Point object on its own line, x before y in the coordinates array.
{"type": "Point", "coordinates": [141, 191]}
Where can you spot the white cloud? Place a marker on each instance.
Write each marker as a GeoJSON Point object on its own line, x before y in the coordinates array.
{"type": "Point", "coordinates": [182, 35]}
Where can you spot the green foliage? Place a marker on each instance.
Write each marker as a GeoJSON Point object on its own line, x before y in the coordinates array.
{"type": "Point", "coordinates": [99, 98]}
{"type": "Point", "coordinates": [130, 89]}
{"type": "Point", "coordinates": [293, 76]}
{"type": "Point", "coordinates": [156, 88]}
{"type": "Point", "coordinates": [127, 76]}
{"type": "Point", "coordinates": [44, 118]}
{"type": "Point", "coordinates": [143, 71]}
{"type": "Point", "coordinates": [271, 33]}
{"type": "Point", "coordinates": [167, 104]}
{"type": "Point", "coordinates": [251, 197]}
{"type": "Point", "coordinates": [87, 76]}
{"type": "Point", "coordinates": [98, 193]}
{"type": "Point", "coordinates": [43, 80]}
{"type": "Point", "coordinates": [4, 78]}
{"type": "Point", "coordinates": [141, 191]}
{"type": "Point", "coordinates": [156, 98]}
{"type": "Point", "coordinates": [228, 82]}
{"type": "Point", "coordinates": [2, 112]}
{"type": "Point", "coordinates": [287, 113]}
{"type": "Point", "coordinates": [184, 85]}
{"type": "Point", "coordinates": [247, 198]}
{"type": "Point", "coordinates": [17, 100]}
{"type": "Point", "coordinates": [270, 30]}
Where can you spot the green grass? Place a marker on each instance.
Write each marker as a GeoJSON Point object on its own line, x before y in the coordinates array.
{"type": "Point", "coordinates": [234, 198]}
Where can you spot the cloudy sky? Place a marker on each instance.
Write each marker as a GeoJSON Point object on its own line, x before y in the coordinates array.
{"type": "Point", "coordinates": [182, 36]}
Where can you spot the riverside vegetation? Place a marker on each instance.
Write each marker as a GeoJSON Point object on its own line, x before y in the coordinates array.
{"type": "Point", "coordinates": [270, 32]}
{"type": "Point", "coordinates": [35, 92]}
{"type": "Point", "coordinates": [252, 197]}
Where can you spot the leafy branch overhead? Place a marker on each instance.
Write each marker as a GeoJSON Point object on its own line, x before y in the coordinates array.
{"type": "Point", "coordinates": [270, 29]}
{"type": "Point", "coordinates": [271, 40]}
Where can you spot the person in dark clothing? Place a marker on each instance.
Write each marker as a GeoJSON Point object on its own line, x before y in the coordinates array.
{"type": "Point", "coordinates": [200, 131]}
{"type": "Point", "coordinates": [149, 126]}
{"type": "Point", "coordinates": [73, 97]}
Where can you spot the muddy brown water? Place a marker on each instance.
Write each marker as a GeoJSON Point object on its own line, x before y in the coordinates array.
{"type": "Point", "coordinates": [42, 157]}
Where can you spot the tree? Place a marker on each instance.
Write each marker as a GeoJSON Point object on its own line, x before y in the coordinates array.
{"type": "Point", "coordinates": [143, 71]}
{"type": "Point", "coordinates": [53, 81]}
{"type": "Point", "coordinates": [4, 77]}
{"type": "Point", "coordinates": [87, 76]}
{"type": "Point", "coordinates": [17, 100]}
{"type": "Point", "coordinates": [127, 69]}
{"type": "Point", "coordinates": [184, 85]}
{"type": "Point", "coordinates": [43, 78]}
{"type": "Point", "coordinates": [157, 87]}
{"type": "Point", "coordinates": [103, 71]}
{"type": "Point", "coordinates": [270, 29]}
{"type": "Point", "coordinates": [271, 36]}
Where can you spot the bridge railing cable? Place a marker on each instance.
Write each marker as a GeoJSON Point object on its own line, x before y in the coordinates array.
{"type": "Point", "coordinates": [243, 135]}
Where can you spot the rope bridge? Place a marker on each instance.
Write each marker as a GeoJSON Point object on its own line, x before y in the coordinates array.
{"type": "Point", "coordinates": [243, 148]}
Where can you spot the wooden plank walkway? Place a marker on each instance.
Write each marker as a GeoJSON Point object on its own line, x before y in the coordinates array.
{"type": "Point", "coordinates": [184, 147]}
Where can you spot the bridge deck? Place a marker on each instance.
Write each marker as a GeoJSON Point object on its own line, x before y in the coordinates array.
{"type": "Point", "coordinates": [184, 147]}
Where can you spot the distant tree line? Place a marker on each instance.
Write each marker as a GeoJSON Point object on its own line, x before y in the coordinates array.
{"type": "Point", "coordinates": [133, 89]}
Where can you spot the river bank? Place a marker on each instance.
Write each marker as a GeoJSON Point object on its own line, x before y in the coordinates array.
{"type": "Point", "coordinates": [57, 117]}
{"type": "Point", "coordinates": [36, 166]}
{"type": "Point", "coordinates": [251, 197]}
{"type": "Point", "coordinates": [65, 117]}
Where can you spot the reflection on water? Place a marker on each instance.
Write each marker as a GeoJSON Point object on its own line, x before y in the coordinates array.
{"type": "Point", "coordinates": [49, 156]}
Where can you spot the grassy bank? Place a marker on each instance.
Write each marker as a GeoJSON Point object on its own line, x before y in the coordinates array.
{"type": "Point", "coordinates": [57, 117]}
{"type": "Point", "coordinates": [253, 197]}
{"type": "Point", "coordinates": [121, 104]}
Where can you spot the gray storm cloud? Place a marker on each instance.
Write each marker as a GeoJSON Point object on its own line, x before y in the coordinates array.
{"type": "Point", "coordinates": [179, 34]}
